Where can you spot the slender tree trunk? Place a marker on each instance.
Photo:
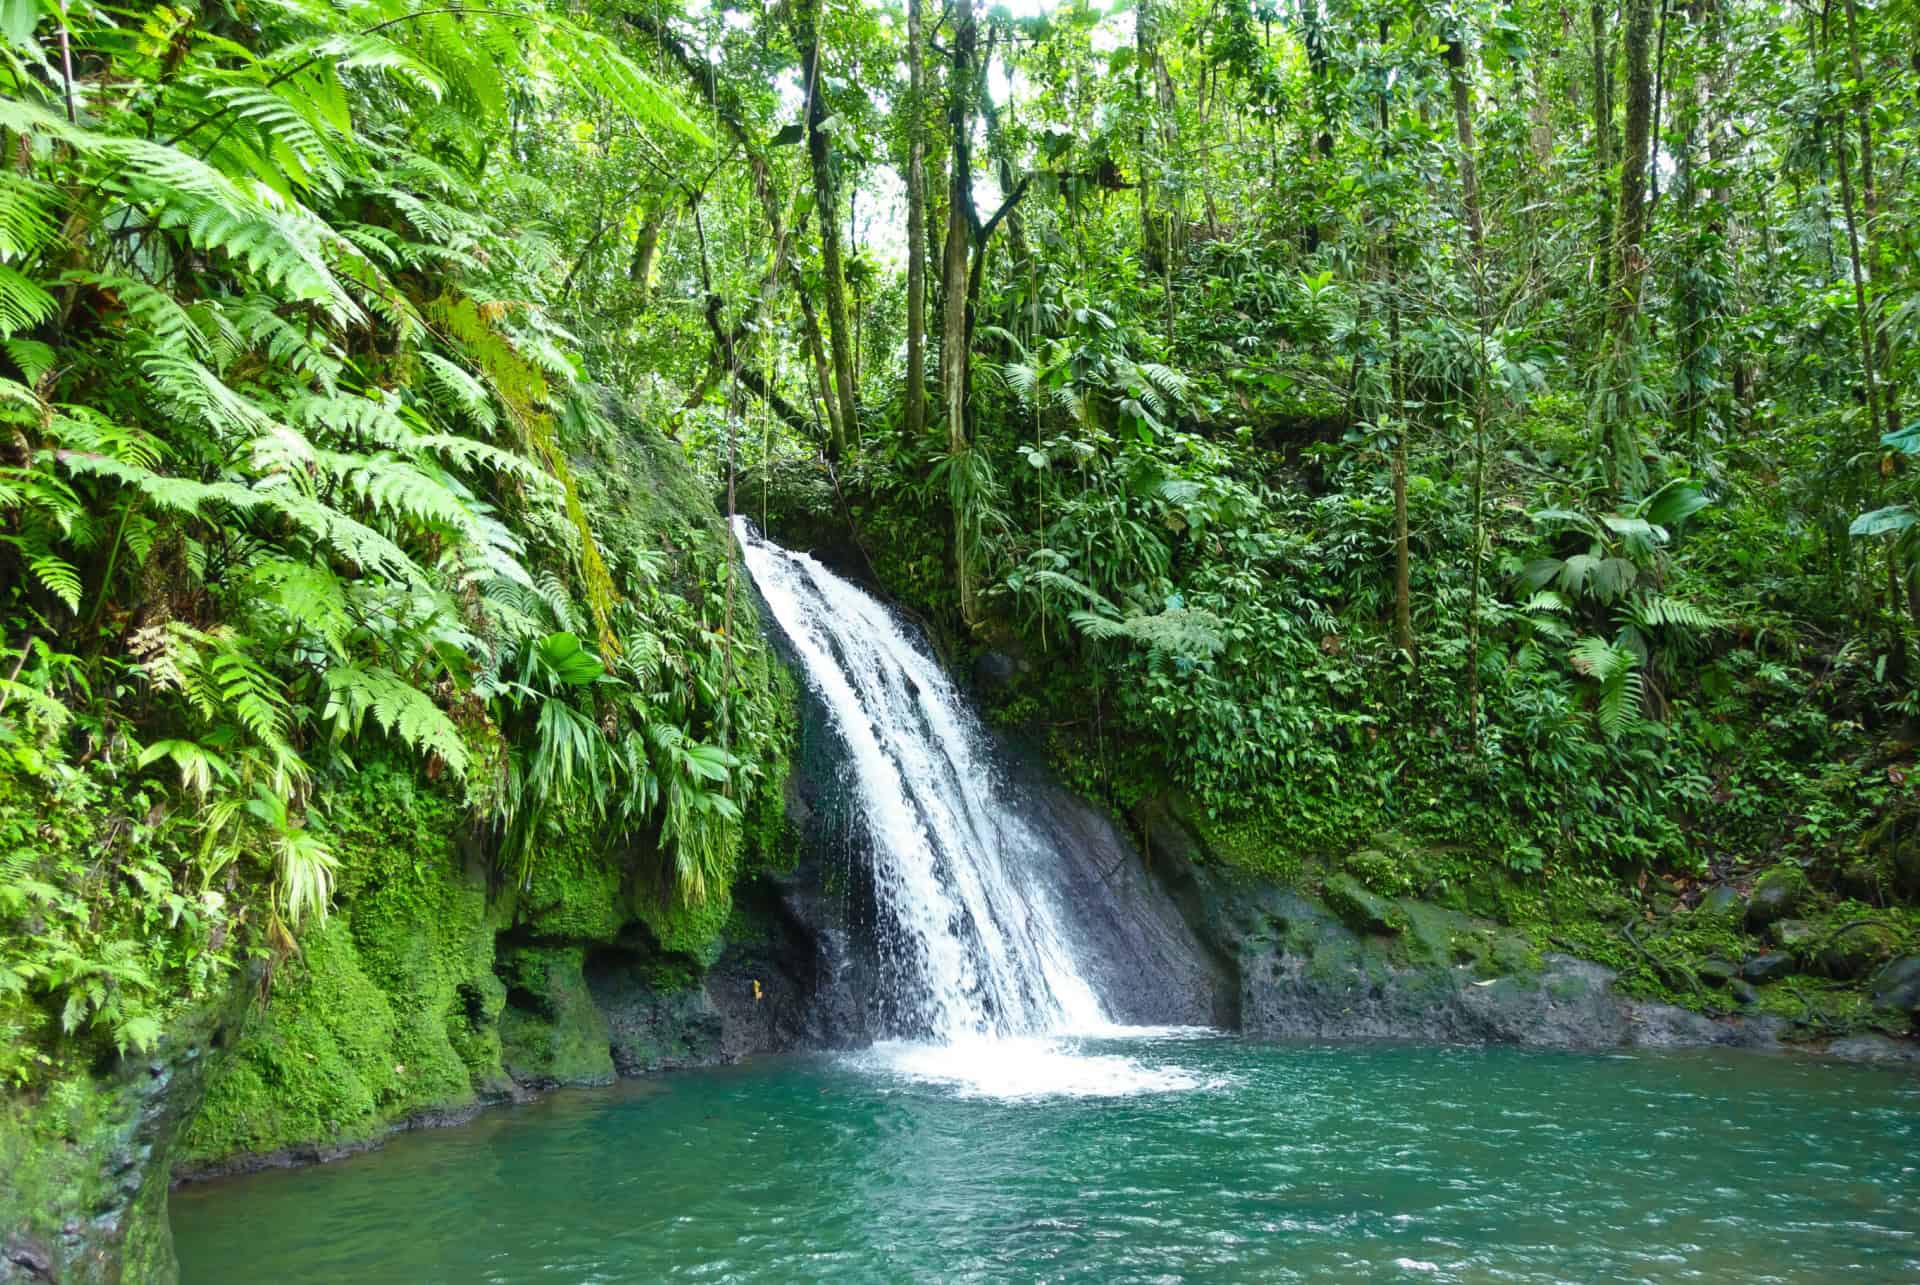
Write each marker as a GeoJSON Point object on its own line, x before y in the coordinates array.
{"type": "Point", "coordinates": [1630, 258]}
{"type": "Point", "coordinates": [647, 244]}
{"type": "Point", "coordinates": [806, 16]}
{"type": "Point", "coordinates": [916, 391]}
{"type": "Point", "coordinates": [959, 237]}
{"type": "Point", "coordinates": [1402, 549]}
{"type": "Point", "coordinates": [1869, 208]}
{"type": "Point", "coordinates": [1142, 53]}
{"type": "Point", "coordinates": [1602, 144]}
{"type": "Point", "coordinates": [817, 356]}
{"type": "Point", "coordinates": [1867, 354]}
{"type": "Point", "coordinates": [955, 288]}
{"type": "Point", "coordinates": [1459, 77]}
{"type": "Point", "coordinates": [1397, 400]}
{"type": "Point", "coordinates": [1659, 96]}
{"type": "Point", "coordinates": [1461, 85]}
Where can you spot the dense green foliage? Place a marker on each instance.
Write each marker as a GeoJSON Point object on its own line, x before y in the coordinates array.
{"type": "Point", "coordinates": [1483, 422]}
{"type": "Point", "coordinates": [300, 461]}
{"type": "Point", "coordinates": [1360, 429]}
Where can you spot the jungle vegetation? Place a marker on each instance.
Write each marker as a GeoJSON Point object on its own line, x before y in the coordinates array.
{"type": "Point", "coordinates": [1483, 420]}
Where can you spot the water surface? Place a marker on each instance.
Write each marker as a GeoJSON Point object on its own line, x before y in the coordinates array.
{"type": "Point", "coordinates": [1169, 1156]}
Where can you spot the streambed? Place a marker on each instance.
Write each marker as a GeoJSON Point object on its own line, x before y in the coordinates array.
{"type": "Point", "coordinates": [1154, 1155]}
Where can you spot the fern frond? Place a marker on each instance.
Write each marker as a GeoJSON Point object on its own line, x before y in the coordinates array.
{"type": "Point", "coordinates": [23, 303]}
{"type": "Point", "coordinates": [400, 709]}
{"type": "Point", "coordinates": [459, 390]}
{"type": "Point", "coordinates": [1654, 611]}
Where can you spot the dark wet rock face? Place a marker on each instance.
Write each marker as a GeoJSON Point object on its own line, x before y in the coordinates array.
{"type": "Point", "coordinates": [1896, 989]}
{"type": "Point", "coordinates": [773, 989]}
{"type": "Point", "coordinates": [83, 1185]}
{"type": "Point", "coordinates": [1137, 947]}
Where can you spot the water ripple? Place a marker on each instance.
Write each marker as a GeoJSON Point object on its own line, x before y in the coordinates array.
{"type": "Point", "coordinates": [1164, 1156]}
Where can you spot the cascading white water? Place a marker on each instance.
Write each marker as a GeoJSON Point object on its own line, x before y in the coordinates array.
{"type": "Point", "coordinates": [979, 947]}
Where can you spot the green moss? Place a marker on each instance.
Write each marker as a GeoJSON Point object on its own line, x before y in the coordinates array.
{"type": "Point", "coordinates": [670, 976]}
{"type": "Point", "coordinates": [1359, 909]}
{"type": "Point", "coordinates": [317, 1063]}
{"type": "Point", "coordinates": [390, 1008]}
{"type": "Point", "coordinates": [1431, 930]}
{"type": "Point", "coordinates": [1380, 872]}
{"type": "Point", "coordinates": [550, 1031]}
{"type": "Point", "coordinates": [694, 929]}
{"type": "Point", "coordinates": [1250, 845]}
{"type": "Point", "coordinates": [575, 891]}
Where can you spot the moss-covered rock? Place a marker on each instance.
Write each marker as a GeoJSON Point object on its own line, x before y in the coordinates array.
{"type": "Point", "coordinates": [1857, 949]}
{"type": "Point", "coordinates": [84, 1162]}
{"type": "Point", "coordinates": [316, 1063]}
{"type": "Point", "coordinates": [1768, 966]}
{"type": "Point", "coordinates": [1777, 894]}
{"type": "Point", "coordinates": [389, 1009]}
{"type": "Point", "coordinates": [1797, 937]}
{"type": "Point", "coordinates": [551, 1033]}
{"type": "Point", "coordinates": [691, 928]}
{"type": "Point", "coordinates": [1359, 909]}
{"type": "Point", "coordinates": [574, 892]}
{"type": "Point", "coordinates": [1722, 904]}
{"type": "Point", "coordinates": [1896, 989]}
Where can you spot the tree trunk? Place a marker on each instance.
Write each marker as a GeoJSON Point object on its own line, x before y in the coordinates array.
{"type": "Point", "coordinates": [1869, 207]}
{"type": "Point", "coordinates": [646, 244]}
{"type": "Point", "coordinates": [1459, 76]}
{"type": "Point", "coordinates": [1402, 550]}
{"type": "Point", "coordinates": [1630, 258]}
{"type": "Point", "coordinates": [959, 237]}
{"type": "Point", "coordinates": [916, 391]}
{"type": "Point", "coordinates": [1602, 144]}
{"type": "Point", "coordinates": [955, 291]}
{"type": "Point", "coordinates": [806, 19]}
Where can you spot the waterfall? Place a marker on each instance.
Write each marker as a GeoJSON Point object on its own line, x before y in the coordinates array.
{"type": "Point", "coordinates": [974, 943]}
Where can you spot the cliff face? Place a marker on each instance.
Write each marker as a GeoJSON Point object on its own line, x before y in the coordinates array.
{"type": "Point", "coordinates": [427, 996]}
{"type": "Point", "coordinates": [432, 988]}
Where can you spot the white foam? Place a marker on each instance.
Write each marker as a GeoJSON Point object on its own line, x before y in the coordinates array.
{"type": "Point", "coordinates": [1025, 1067]}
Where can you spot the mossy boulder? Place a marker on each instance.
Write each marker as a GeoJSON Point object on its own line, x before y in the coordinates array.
{"type": "Point", "coordinates": [1777, 894]}
{"type": "Point", "coordinates": [1904, 861]}
{"type": "Point", "coordinates": [1797, 937]}
{"type": "Point", "coordinates": [1865, 878]}
{"type": "Point", "coordinates": [1716, 972]}
{"type": "Point", "coordinates": [1360, 909]}
{"type": "Point", "coordinates": [1896, 988]}
{"type": "Point", "coordinates": [1857, 949]}
{"type": "Point", "coordinates": [1381, 869]}
{"type": "Point", "coordinates": [1722, 904]}
{"type": "Point", "coordinates": [1769, 966]}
